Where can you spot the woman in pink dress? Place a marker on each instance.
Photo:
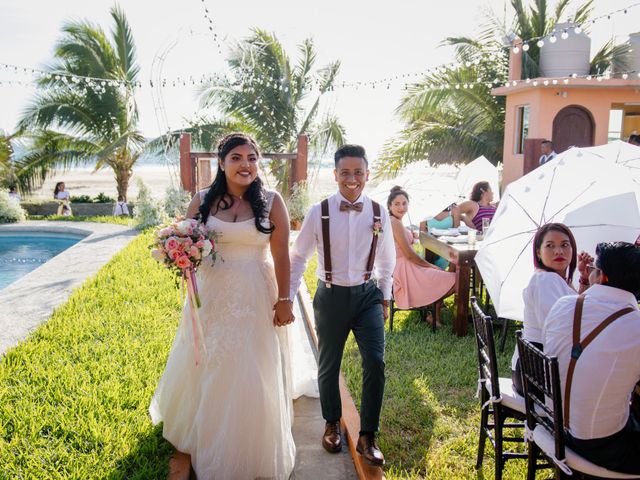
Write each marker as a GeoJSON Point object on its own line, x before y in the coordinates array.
{"type": "Point", "coordinates": [416, 282]}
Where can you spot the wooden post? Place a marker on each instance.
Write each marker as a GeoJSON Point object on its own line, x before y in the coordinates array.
{"type": "Point", "coordinates": [300, 164]}
{"type": "Point", "coordinates": [204, 173]}
{"type": "Point", "coordinates": [187, 167]}
{"type": "Point", "coordinates": [532, 152]}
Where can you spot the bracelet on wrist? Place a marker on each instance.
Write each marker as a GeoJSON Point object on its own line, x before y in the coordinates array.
{"type": "Point", "coordinates": [284, 299]}
{"type": "Point", "coordinates": [584, 281]}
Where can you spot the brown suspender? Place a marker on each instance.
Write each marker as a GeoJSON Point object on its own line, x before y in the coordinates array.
{"type": "Point", "coordinates": [326, 243]}
{"type": "Point", "coordinates": [578, 347]}
{"type": "Point", "coordinates": [374, 242]}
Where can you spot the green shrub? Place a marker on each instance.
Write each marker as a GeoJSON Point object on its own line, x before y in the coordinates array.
{"type": "Point", "coordinates": [102, 198]}
{"type": "Point", "coordinates": [176, 201]}
{"type": "Point", "coordinates": [10, 209]}
{"type": "Point", "coordinates": [147, 212]}
{"type": "Point", "coordinates": [81, 199]}
{"type": "Point", "coordinates": [298, 203]}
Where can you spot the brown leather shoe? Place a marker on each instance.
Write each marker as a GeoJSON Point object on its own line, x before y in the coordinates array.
{"type": "Point", "coordinates": [332, 440]}
{"type": "Point", "coordinates": [368, 448]}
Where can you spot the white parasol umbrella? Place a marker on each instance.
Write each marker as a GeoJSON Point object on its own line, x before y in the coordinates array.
{"type": "Point", "coordinates": [621, 153]}
{"type": "Point", "coordinates": [598, 201]}
{"type": "Point", "coordinates": [476, 171]}
{"type": "Point", "coordinates": [430, 189]}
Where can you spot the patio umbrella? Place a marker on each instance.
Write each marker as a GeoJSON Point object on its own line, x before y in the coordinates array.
{"type": "Point", "coordinates": [597, 200]}
{"type": "Point", "coordinates": [476, 171]}
{"type": "Point", "coordinates": [621, 153]}
{"type": "Point", "coordinates": [430, 189]}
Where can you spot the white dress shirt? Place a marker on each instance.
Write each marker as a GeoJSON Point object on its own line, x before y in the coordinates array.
{"type": "Point", "coordinates": [351, 234]}
{"type": "Point", "coordinates": [545, 158]}
{"type": "Point", "coordinates": [539, 295]}
{"type": "Point", "coordinates": [609, 367]}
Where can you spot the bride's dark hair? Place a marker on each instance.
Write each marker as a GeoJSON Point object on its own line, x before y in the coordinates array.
{"type": "Point", "coordinates": [218, 198]}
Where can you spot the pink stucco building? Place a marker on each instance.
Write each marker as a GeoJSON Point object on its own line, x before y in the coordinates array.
{"type": "Point", "coordinates": [568, 111]}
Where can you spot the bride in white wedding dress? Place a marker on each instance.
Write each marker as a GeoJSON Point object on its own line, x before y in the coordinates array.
{"type": "Point", "coordinates": [233, 412]}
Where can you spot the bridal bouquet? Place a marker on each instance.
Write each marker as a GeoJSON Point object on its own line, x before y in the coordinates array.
{"type": "Point", "coordinates": [182, 246]}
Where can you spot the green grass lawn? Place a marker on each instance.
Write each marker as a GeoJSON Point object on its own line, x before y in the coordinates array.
{"type": "Point", "coordinates": [120, 220]}
{"type": "Point", "coordinates": [74, 395]}
{"type": "Point", "coordinates": [430, 416]}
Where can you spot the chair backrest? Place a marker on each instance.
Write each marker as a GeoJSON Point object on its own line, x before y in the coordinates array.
{"type": "Point", "coordinates": [487, 362]}
{"type": "Point", "coordinates": [542, 394]}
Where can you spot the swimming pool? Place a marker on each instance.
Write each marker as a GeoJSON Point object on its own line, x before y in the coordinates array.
{"type": "Point", "coordinates": [20, 253]}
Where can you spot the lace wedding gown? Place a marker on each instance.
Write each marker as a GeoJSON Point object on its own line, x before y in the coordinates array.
{"type": "Point", "coordinates": [233, 412]}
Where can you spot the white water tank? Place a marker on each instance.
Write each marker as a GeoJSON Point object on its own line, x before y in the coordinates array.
{"type": "Point", "coordinates": [565, 57]}
{"type": "Point", "coordinates": [634, 56]}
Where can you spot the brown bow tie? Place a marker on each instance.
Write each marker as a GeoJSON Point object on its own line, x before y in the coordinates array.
{"type": "Point", "coordinates": [346, 206]}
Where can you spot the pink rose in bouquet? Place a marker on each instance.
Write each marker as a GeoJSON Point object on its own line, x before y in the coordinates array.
{"type": "Point", "coordinates": [183, 245]}
{"type": "Point", "coordinates": [183, 262]}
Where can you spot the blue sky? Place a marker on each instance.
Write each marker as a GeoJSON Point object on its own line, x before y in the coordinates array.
{"type": "Point", "coordinates": [373, 39]}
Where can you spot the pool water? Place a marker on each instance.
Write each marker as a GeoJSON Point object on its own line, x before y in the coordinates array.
{"type": "Point", "coordinates": [20, 254]}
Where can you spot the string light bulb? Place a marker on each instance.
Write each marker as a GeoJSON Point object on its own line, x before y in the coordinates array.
{"type": "Point", "coordinates": [516, 50]}
{"type": "Point", "coordinates": [525, 47]}
{"type": "Point", "coordinates": [540, 43]}
{"type": "Point", "coordinates": [564, 35]}
{"type": "Point", "coordinates": [553, 38]}
{"type": "Point", "coordinates": [578, 30]}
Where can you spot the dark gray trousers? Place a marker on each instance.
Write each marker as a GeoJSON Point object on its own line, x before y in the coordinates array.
{"type": "Point", "coordinates": [339, 310]}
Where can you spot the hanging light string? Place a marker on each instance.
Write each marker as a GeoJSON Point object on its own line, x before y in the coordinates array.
{"type": "Point", "coordinates": [259, 104]}
{"type": "Point", "coordinates": [98, 84]}
{"type": "Point", "coordinates": [524, 45]}
{"type": "Point", "coordinates": [212, 29]}
{"type": "Point", "coordinates": [67, 77]}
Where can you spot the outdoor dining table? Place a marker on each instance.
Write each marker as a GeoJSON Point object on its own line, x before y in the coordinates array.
{"type": "Point", "coordinates": [461, 255]}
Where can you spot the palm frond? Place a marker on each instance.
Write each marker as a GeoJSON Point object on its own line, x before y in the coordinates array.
{"type": "Point", "coordinates": [610, 58]}
{"type": "Point", "coordinates": [330, 133]}
{"type": "Point", "coordinates": [124, 44]}
{"type": "Point", "coordinates": [583, 13]}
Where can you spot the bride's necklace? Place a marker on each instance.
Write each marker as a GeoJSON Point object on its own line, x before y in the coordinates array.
{"type": "Point", "coordinates": [239, 202]}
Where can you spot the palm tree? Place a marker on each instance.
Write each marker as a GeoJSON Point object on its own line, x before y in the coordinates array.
{"type": "Point", "coordinates": [267, 97]}
{"type": "Point", "coordinates": [8, 176]}
{"type": "Point", "coordinates": [451, 116]}
{"type": "Point", "coordinates": [18, 172]}
{"type": "Point", "coordinates": [73, 122]}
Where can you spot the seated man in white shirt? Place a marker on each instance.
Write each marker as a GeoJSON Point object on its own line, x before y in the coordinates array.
{"type": "Point", "coordinates": [601, 428]}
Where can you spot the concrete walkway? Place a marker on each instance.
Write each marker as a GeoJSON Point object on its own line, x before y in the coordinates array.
{"type": "Point", "coordinates": [312, 461]}
{"type": "Point", "coordinates": [31, 300]}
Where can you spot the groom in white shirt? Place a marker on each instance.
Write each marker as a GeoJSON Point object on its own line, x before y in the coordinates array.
{"type": "Point", "coordinates": [353, 237]}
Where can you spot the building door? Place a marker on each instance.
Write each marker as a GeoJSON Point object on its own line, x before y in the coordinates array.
{"type": "Point", "coordinates": [572, 127]}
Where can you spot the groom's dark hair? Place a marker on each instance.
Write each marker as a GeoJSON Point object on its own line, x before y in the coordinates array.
{"type": "Point", "coordinates": [350, 150]}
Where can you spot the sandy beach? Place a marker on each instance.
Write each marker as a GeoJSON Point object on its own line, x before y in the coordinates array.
{"type": "Point", "coordinates": [85, 181]}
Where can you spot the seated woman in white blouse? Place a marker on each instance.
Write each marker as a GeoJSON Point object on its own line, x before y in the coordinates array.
{"type": "Point", "coordinates": [555, 261]}
{"type": "Point", "coordinates": [64, 199]}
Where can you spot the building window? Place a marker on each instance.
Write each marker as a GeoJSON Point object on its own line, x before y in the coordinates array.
{"type": "Point", "coordinates": [522, 128]}
{"type": "Point", "coordinates": [615, 124]}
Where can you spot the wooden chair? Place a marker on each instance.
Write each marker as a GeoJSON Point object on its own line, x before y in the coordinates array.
{"type": "Point", "coordinates": [497, 397]}
{"type": "Point", "coordinates": [544, 423]}
{"type": "Point", "coordinates": [435, 312]}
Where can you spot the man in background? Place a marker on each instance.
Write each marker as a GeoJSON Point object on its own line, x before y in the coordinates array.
{"type": "Point", "coordinates": [547, 152]}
